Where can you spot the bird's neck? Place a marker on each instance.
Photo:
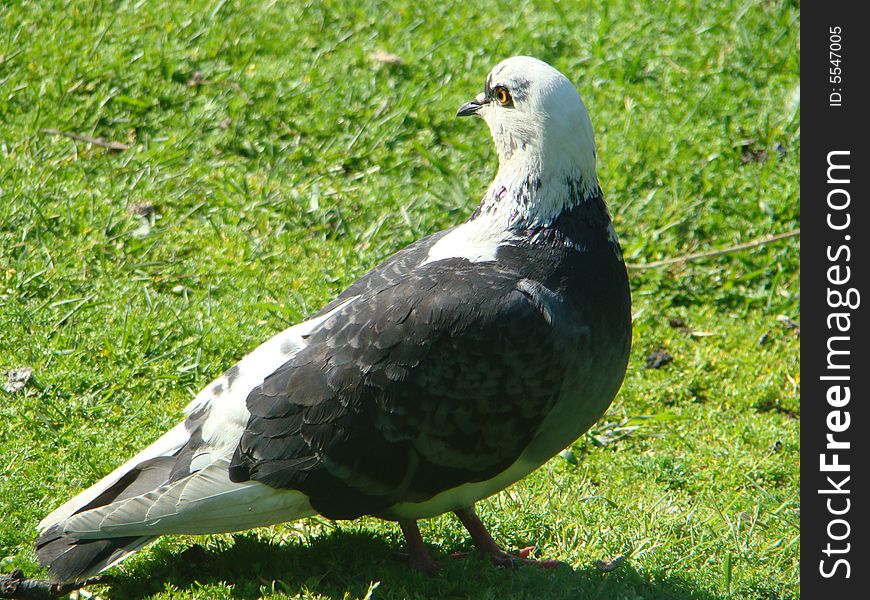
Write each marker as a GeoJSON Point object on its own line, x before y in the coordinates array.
{"type": "Point", "coordinates": [526, 195]}
{"type": "Point", "coordinates": [561, 207]}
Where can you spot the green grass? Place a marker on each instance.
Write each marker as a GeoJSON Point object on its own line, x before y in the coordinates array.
{"type": "Point", "coordinates": [281, 163]}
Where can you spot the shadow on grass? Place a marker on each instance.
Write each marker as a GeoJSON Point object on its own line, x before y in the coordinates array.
{"type": "Point", "coordinates": [342, 564]}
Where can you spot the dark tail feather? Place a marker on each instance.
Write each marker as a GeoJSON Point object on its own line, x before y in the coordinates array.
{"type": "Point", "coordinates": [69, 558]}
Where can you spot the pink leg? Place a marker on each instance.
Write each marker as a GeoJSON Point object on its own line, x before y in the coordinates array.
{"type": "Point", "coordinates": [487, 545]}
{"type": "Point", "coordinates": [418, 554]}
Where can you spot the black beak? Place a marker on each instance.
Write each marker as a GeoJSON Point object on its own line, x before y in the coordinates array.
{"type": "Point", "coordinates": [468, 109]}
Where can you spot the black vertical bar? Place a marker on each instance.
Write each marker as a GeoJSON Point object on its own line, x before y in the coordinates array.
{"type": "Point", "coordinates": [835, 261]}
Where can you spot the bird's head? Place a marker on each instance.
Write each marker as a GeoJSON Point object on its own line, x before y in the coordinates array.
{"type": "Point", "coordinates": [537, 119]}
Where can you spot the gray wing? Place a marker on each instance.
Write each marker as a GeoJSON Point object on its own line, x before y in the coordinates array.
{"type": "Point", "coordinates": [393, 270]}
{"type": "Point", "coordinates": [421, 385]}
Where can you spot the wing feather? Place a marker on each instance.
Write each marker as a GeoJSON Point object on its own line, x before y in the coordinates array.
{"type": "Point", "coordinates": [205, 502]}
{"type": "Point", "coordinates": [439, 378]}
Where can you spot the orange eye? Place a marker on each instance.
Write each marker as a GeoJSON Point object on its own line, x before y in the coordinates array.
{"type": "Point", "coordinates": [501, 95]}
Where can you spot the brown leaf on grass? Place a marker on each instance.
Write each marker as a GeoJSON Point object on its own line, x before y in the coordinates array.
{"type": "Point", "coordinates": [386, 58]}
{"type": "Point", "coordinates": [144, 212]}
{"type": "Point", "coordinates": [14, 380]}
{"type": "Point", "coordinates": [141, 209]}
{"type": "Point", "coordinates": [610, 565]}
{"type": "Point", "coordinates": [753, 154]}
{"type": "Point", "coordinates": [789, 323]}
{"type": "Point", "coordinates": [658, 358]}
{"type": "Point", "coordinates": [678, 323]}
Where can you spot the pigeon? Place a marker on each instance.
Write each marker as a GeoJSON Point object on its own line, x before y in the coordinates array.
{"type": "Point", "coordinates": [451, 370]}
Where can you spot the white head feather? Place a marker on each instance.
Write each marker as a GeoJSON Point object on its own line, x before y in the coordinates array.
{"type": "Point", "coordinates": [546, 151]}
{"type": "Point", "coordinates": [543, 132]}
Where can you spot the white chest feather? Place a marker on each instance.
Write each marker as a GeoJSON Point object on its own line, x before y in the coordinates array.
{"type": "Point", "coordinates": [477, 240]}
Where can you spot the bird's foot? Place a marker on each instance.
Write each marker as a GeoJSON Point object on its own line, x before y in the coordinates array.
{"type": "Point", "coordinates": [507, 559]}
{"type": "Point", "coordinates": [418, 556]}
{"type": "Point", "coordinates": [486, 545]}
{"type": "Point", "coordinates": [425, 564]}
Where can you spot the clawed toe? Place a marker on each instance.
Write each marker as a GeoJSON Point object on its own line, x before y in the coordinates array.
{"type": "Point", "coordinates": [487, 545]}
{"type": "Point", "coordinates": [429, 566]}
{"type": "Point", "coordinates": [506, 559]}
{"type": "Point", "coordinates": [418, 557]}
